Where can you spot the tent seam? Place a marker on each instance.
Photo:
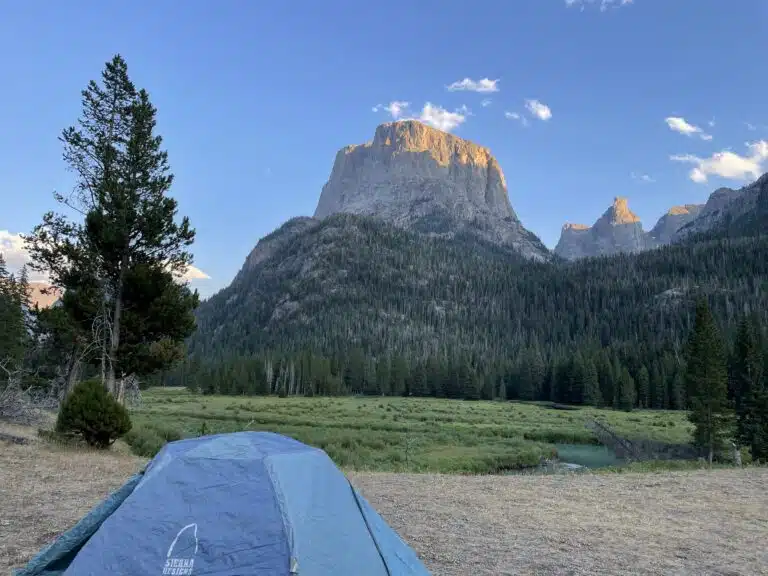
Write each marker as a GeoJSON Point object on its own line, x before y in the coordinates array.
{"type": "Point", "coordinates": [280, 497]}
{"type": "Point", "coordinates": [368, 526]}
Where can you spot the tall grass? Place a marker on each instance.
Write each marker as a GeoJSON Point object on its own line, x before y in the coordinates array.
{"type": "Point", "coordinates": [396, 434]}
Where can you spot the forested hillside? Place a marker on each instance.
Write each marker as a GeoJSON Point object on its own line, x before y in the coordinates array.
{"type": "Point", "coordinates": [354, 305]}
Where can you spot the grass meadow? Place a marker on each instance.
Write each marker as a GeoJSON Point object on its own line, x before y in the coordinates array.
{"type": "Point", "coordinates": [397, 434]}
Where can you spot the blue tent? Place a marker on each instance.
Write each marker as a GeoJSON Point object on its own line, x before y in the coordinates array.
{"type": "Point", "coordinates": [248, 503]}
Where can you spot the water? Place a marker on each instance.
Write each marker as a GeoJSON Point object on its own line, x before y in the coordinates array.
{"type": "Point", "coordinates": [587, 455]}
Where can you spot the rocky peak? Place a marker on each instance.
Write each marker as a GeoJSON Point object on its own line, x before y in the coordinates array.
{"type": "Point", "coordinates": [617, 230]}
{"type": "Point", "coordinates": [619, 212]}
{"type": "Point", "coordinates": [444, 148]}
{"type": "Point", "coordinates": [676, 217]}
{"type": "Point", "coordinates": [424, 179]}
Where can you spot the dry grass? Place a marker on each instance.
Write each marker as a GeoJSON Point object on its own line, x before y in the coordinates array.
{"type": "Point", "coordinates": [46, 489]}
{"type": "Point", "coordinates": [703, 522]}
{"type": "Point", "coordinates": [668, 523]}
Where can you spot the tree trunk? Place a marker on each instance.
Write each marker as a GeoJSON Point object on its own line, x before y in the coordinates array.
{"type": "Point", "coordinates": [73, 372]}
{"type": "Point", "coordinates": [120, 392]}
{"type": "Point", "coordinates": [114, 343]}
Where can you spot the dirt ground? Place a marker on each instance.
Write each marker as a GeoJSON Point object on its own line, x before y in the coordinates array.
{"type": "Point", "coordinates": [671, 523]}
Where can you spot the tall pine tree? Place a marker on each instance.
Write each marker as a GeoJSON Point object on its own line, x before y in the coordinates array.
{"type": "Point", "coordinates": [706, 379]}
{"type": "Point", "coordinates": [750, 395]}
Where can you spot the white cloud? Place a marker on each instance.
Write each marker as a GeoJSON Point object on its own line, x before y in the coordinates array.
{"type": "Point", "coordinates": [711, 123]}
{"type": "Point", "coordinates": [682, 126]}
{"type": "Point", "coordinates": [641, 177]}
{"type": "Point", "coordinates": [194, 273]}
{"type": "Point", "coordinates": [15, 254]}
{"type": "Point", "coordinates": [482, 85]}
{"type": "Point", "coordinates": [538, 109]}
{"type": "Point", "coordinates": [516, 116]}
{"type": "Point", "coordinates": [486, 102]}
{"type": "Point", "coordinates": [602, 4]}
{"type": "Point", "coordinates": [440, 118]}
{"type": "Point", "coordinates": [433, 115]}
{"type": "Point", "coordinates": [751, 127]}
{"type": "Point", "coordinates": [464, 110]}
{"type": "Point", "coordinates": [396, 108]}
{"type": "Point", "coordinates": [727, 164]}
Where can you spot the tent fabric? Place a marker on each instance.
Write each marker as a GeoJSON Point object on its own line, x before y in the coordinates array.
{"type": "Point", "coordinates": [230, 505]}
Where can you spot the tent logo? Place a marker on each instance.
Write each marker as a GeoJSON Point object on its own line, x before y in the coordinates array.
{"type": "Point", "coordinates": [181, 563]}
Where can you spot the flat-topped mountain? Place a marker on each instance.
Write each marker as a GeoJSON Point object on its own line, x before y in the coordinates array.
{"type": "Point", "coordinates": [425, 180]}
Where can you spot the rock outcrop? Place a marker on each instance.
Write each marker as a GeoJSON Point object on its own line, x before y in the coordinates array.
{"type": "Point", "coordinates": [617, 230]}
{"type": "Point", "coordinates": [727, 211]}
{"type": "Point", "coordinates": [675, 218]}
{"type": "Point", "coordinates": [426, 180]}
{"type": "Point", "coordinates": [725, 204]}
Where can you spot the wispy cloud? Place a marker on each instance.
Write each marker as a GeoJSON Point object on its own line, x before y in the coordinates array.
{"type": "Point", "coordinates": [641, 177]}
{"type": "Point", "coordinates": [538, 109]}
{"type": "Point", "coordinates": [516, 116]}
{"type": "Point", "coordinates": [711, 123]}
{"type": "Point", "coordinates": [396, 108]}
{"type": "Point", "coordinates": [16, 256]}
{"type": "Point", "coordinates": [431, 114]}
{"type": "Point", "coordinates": [602, 4]}
{"type": "Point", "coordinates": [682, 126]}
{"type": "Point", "coordinates": [486, 102]}
{"type": "Point", "coordinates": [482, 85]}
{"type": "Point", "coordinates": [727, 164]}
{"type": "Point", "coordinates": [751, 127]}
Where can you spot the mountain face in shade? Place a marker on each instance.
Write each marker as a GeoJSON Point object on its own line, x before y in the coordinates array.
{"type": "Point", "coordinates": [425, 180]}
{"type": "Point", "coordinates": [726, 206]}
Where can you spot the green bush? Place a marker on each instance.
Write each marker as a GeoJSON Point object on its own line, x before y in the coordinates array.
{"type": "Point", "coordinates": [91, 412]}
{"type": "Point", "coordinates": [146, 440]}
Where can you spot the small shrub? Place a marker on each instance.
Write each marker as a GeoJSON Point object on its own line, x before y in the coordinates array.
{"type": "Point", "coordinates": [91, 412]}
{"type": "Point", "coordinates": [144, 442]}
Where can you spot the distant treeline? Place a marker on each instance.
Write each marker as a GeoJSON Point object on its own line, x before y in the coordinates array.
{"type": "Point", "coordinates": [623, 378]}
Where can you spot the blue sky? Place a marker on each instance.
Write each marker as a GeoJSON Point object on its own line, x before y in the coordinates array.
{"type": "Point", "coordinates": [657, 100]}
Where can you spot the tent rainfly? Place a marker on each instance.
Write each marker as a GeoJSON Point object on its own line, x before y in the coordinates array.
{"type": "Point", "coordinates": [246, 503]}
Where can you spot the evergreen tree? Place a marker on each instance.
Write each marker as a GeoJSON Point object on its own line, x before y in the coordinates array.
{"type": "Point", "coordinates": [419, 385]}
{"type": "Point", "coordinates": [592, 394]}
{"type": "Point", "coordinates": [13, 334]}
{"type": "Point", "coordinates": [129, 238]}
{"type": "Point", "coordinates": [750, 394]}
{"type": "Point", "coordinates": [658, 388]}
{"type": "Point", "coordinates": [643, 387]}
{"type": "Point", "coordinates": [627, 392]}
{"type": "Point", "coordinates": [706, 379]}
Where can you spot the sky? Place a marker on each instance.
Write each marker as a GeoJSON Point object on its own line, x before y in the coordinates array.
{"type": "Point", "coordinates": [580, 101]}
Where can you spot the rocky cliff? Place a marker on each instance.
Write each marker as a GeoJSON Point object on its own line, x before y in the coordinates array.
{"type": "Point", "coordinates": [727, 211]}
{"type": "Point", "coordinates": [675, 218]}
{"type": "Point", "coordinates": [426, 180]}
{"type": "Point", "coordinates": [617, 230]}
{"type": "Point", "coordinates": [725, 205]}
